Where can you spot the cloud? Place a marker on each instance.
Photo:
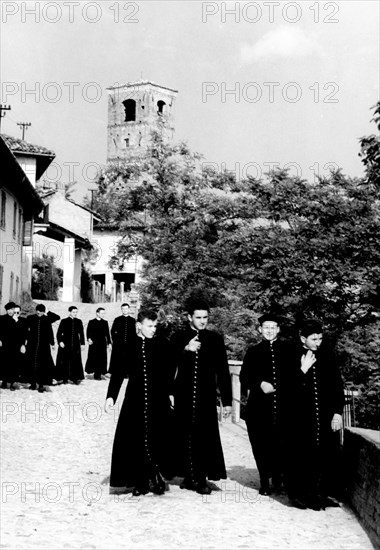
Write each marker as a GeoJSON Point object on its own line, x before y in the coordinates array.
{"type": "Point", "coordinates": [282, 42]}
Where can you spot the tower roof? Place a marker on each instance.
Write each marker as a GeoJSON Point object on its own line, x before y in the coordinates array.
{"type": "Point", "coordinates": [142, 83]}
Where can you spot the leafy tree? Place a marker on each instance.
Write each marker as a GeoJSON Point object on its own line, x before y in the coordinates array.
{"type": "Point", "coordinates": [47, 278]}
{"type": "Point", "coordinates": [370, 151]}
{"type": "Point", "coordinates": [282, 243]}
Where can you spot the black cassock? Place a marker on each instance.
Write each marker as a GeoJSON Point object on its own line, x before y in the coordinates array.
{"type": "Point", "coordinates": [20, 358]}
{"type": "Point", "coordinates": [12, 336]}
{"type": "Point", "coordinates": [40, 337]}
{"type": "Point", "coordinates": [314, 449]}
{"type": "Point", "coordinates": [199, 451]}
{"type": "Point", "coordinates": [98, 332]}
{"type": "Point", "coordinates": [69, 358]}
{"type": "Point", "coordinates": [141, 446]}
{"type": "Point", "coordinates": [265, 412]}
{"type": "Point", "coordinates": [123, 334]}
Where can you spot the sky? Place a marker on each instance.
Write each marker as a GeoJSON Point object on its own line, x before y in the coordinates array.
{"type": "Point", "coordinates": [259, 83]}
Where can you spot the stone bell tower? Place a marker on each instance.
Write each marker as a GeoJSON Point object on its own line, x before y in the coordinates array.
{"type": "Point", "coordinates": [134, 110]}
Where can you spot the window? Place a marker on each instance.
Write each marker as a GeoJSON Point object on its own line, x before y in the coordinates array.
{"type": "Point", "coordinates": [11, 286]}
{"type": "Point", "coordinates": [27, 237]}
{"type": "Point", "coordinates": [17, 289]}
{"type": "Point", "coordinates": [1, 282]}
{"type": "Point", "coordinates": [14, 218]}
{"type": "Point", "coordinates": [19, 225]}
{"type": "Point", "coordinates": [129, 110]}
{"type": "Point", "coordinates": [3, 204]}
{"type": "Point", "coordinates": [160, 107]}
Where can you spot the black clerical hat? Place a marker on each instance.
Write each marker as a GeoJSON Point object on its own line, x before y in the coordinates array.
{"type": "Point", "coordinates": [270, 317]}
{"type": "Point", "coordinates": [9, 305]}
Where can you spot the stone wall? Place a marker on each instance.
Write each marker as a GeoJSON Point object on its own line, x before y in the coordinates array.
{"type": "Point", "coordinates": [361, 453]}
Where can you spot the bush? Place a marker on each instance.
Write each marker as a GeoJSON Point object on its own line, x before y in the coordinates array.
{"type": "Point", "coordinates": [358, 351]}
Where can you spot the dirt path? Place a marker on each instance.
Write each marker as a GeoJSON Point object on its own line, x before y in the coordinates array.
{"type": "Point", "coordinates": [55, 455]}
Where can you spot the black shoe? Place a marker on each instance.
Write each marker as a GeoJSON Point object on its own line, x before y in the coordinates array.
{"type": "Point", "coordinates": [314, 503]}
{"type": "Point", "coordinates": [203, 488]}
{"type": "Point", "coordinates": [158, 485]}
{"type": "Point", "coordinates": [4, 386]}
{"type": "Point", "coordinates": [298, 503]}
{"type": "Point", "coordinates": [33, 387]}
{"type": "Point", "coordinates": [12, 388]}
{"type": "Point", "coordinates": [188, 484]}
{"type": "Point", "coordinates": [264, 487]}
{"type": "Point", "coordinates": [138, 491]}
{"type": "Point", "coordinates": [41, 389]}
{"type": "Point", "coordinates": [327, 502]}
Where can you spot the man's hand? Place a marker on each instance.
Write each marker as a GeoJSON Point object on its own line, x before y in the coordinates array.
{"type": "Point", "coordinates": [61, 345]}
{"type": "Point", "coordinates": [23, 349]}
{"type": "Point", "coordinates": [171, 397]}
{"type": "Point", "coordinates": [194, 344]}
{"type": "Point", "coordinates": [227, 411]}
{"type": "Point", "coordinates": [89, 341]}
{"type": "Point", "coordinates": [336, 422]}
{"type": "Point", "coordinates": [108, 404]}
{"type": "Point", "coordinates": [267, 387]}
{"type": "Point", "coordinates": [307, 361]}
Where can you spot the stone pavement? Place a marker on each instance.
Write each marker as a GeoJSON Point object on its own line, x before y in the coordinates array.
{"type": "Point", "coordinates": [55, 459]}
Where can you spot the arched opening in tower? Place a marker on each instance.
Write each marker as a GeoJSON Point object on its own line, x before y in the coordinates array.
{"type": "Point", "coordinates": [130, 110]}
{"type": "Point", "coordinates": [160, 107]}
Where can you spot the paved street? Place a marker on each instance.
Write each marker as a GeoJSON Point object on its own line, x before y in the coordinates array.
{"type": "Point", "coordinates": [56, 451]}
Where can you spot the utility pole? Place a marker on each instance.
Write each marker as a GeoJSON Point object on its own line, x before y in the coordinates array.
{"type": "Point", "coordinates": [24, 126]}
{"type": "Point", "coordinates": [2, 114]}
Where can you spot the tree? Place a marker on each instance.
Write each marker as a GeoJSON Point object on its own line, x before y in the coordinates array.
{"type": "Point", "coordinates": [47, 278]}
{"type": "Point", "coordinates": [281, 243]}
{"type": "Point", "coordinates": [370, 151]}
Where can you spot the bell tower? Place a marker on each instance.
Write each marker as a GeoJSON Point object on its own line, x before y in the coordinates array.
{"type": "Point", "coordinates": [134, 110]}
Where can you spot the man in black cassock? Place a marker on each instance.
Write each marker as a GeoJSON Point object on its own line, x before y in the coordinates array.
{"type": "Point", "coordinates": [201, 362]}
{"type": "Point", "coordinates": [263, 375]}
{"type": "Point", "coordinates": [39, 338]}
{"type": "Point", "coordinates": [20, 359]}
{"type": "Point", "coordinates": [141, 453]}
{"type": "Point", "coordinates": [70, 338]}
{"type": "Point", "coordinates": [98, 337]}
{"type": "Point", "coordinates": [315, 401]}
{"type": "Point", "coordinates": [123, 334]}
{"type": "Point", "coordinates": [11, 345]}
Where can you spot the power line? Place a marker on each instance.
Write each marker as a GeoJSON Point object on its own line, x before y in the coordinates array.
{"type": "Point", "coordinates": [24, 126]}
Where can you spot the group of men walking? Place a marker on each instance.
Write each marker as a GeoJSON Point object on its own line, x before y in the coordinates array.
{"type": "Point", "coordinates": [26, 346]}
{"type": "Point", "coordinates": [168, 424]}
{"type": "Point", "coordinates": [294, 413]}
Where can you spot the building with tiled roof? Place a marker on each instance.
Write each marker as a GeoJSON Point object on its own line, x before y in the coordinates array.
{"type": "Point", "coordinates": [19, 203]}
{"type": "Point", "coordinates": [34, 159]}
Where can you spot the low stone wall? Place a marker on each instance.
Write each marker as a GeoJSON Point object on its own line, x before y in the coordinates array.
{"type": "Point", "coordinates": [361, 454]}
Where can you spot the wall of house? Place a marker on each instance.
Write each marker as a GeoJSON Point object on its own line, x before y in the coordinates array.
{"type": "Point", "coordinates": [70, 216]}
{"type": "Point", "coordinates": [29, 165]}
{"type": "Point", "coordinates": [105, 245]}
{"type": "Point", "coordinates": [10, 249]}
